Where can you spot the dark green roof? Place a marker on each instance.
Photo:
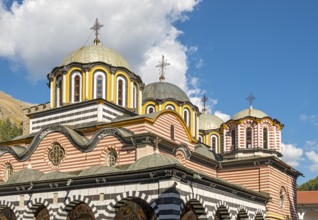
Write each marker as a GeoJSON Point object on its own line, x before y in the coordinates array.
{"type": "Point", "coordinates": [98, 170]}
{"type": "Point", "coordinates": [204, 151]}
{"type": "Point", "coordinates": [164, 90]}
{"type": "Point", "coordinates": [154, 160]}
{"type": "Point", "coordinates": [25, 175]}
{"type": "Point", "coordinates": [56, 175]}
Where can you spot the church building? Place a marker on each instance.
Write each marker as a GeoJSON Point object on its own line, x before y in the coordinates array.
{"type": "Point", "coordinates": [107, 146]}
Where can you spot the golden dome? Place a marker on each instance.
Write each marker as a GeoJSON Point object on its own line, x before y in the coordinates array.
{"type": "Point", "coordinates": [96, 53]}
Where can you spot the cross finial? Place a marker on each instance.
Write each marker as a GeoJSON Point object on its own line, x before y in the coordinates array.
{"type": "Point", "coordinates": [251, 98]}
{"type": "Point", "coordinates": [162, 66]}
{"type": "Point", "coordinates": [156, 142]}
{"type": "Point", "coordinates": [204, 99]}
{"type": "Point", "coordinates": [97, 26]}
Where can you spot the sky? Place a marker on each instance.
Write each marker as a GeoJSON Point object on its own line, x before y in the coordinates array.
{"type": "Point", "coordinates": [222, 48]}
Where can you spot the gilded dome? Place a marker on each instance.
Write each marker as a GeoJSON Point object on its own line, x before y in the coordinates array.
{"type": "Point", "coordinates": [154, 160]}
{"type": "Point", "coordinates": [25, 175]}
{"type": "Point", "coordinates": [96, 53]}
{"type": "Point", "coordinates": [98, 170]}
{"type": "Point", "coordinates": [249, 112]}
{"type": "Point", "coordinates": [164, 90]}
{"type": "Point", "coordinates": [209, 121]}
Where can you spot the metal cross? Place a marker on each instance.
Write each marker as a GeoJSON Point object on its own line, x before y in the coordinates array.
{"type": "Point", "coordinates": [204, 99]}
{"type": "Point", "coordinates": [156, 142]}
{"type": "Point", "coordinates": [97, 26]}
{"type": "Point", "coordinates": [251, 99]}
{"type": "Point", "coordinates": [162, 66]}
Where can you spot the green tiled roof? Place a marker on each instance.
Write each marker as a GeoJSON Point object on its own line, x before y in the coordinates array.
{"type": "Point", "coordinates": [154, 160]}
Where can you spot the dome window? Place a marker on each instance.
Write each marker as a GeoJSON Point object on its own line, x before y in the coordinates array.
{"type": "Point", "coordinates": [170, 107]}
{"type": "Point", "coordinates": [76, 87]}
{"type": "Point", "coordinates": [59, 91]}
{"type": "Point", "coordinates": [214, 143]}
{"type": "Point", "coordinates": [172, 132]}
{"type": "Point", "coordinates": [111, 158]}
{"type": "Point", "coordinates": [135, 97]}
{"type": "Point", "coordinates": [233, 139]}
{"type": "Point", "coordinates": [200, 138]}
{"type": "Point", "coordinates": [121, 91]}
{"type": "Point", "coordinates": [186, 117]}
{"type": "Point", "coordinates": [265, 138]}
{"type": "Point", "coordinates": [99, 85]}
{"type": "Point", "coordinates": [249, 137]}
{"type": "Point", "coordinates": [150, 109]}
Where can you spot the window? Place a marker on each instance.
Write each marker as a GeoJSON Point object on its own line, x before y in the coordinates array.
{"type": "Point", "coordinates": [169, 107]}
{"type": "Point", "coordinates": [214, 143]}
{"type": "Point", "coordinates": [59, 91]}
{"type": "Point", "coordinates": [186, 117]}
{"type": "Point", "coordinates": [99, 85]}
{"type": "Point", "coordinates": [111, 158]}
{"type": "Point", "coordinates": [265, 138]}
{"type": "Point", "coordinates": [172, 132]}
{"type": "Point", "coordinates": [150, 109]}
{"type": "Point", "coordinates": [281, 197]}
{"type": "Point", "coordinates": [121, 91]}
{"type": "Point", "coordinates": [249, 137]}
{"type": "Point", "coordinates": [56, 154]}
{"type": "Point", "coordinates": [76, 87]}
{"type": "Point", "coordinates": [201, 138]}
{"type": "Point", "coordinates": [135, 97]}
{"type": "Point", "coordinates": [8, 171]}
{"type": "Point", "coordinates": [233, 139]}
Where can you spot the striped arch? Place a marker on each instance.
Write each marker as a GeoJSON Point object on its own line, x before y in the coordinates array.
{"type": "Point", "coordinates": [119, 199]}
{"type": "Point", "coordinates": [4, 204]}
{"type": "Point", "coordinates": [70, 203]}
{"type": "Point", "coordinates": [198, 203]}
{"type": "Point", "coordinates": [223, 208]}
{"type": "Point", "coordinates": [34, 205]}
{"type": "Point", "coordinates": [242, 213]}
{"type": "Point", "coordinates": [260, 215]}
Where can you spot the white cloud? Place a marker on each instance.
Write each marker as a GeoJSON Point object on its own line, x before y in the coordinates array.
{"type": "Point", "coordinates": [313, 157]}
{"type": "Point", "coordinates": [223, 116]}
{"type": "Point", "coordinates": [38, 34]}
{"type": "Point", "coordinates": [291, 154]}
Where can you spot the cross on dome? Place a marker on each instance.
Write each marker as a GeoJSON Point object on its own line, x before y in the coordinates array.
{"type": "Point", "coordinates": [97, 26]}
{"type": "Point", "coordinates": [156, 143]}
{"type": "Point", "coordinates": [251, 98]}
{"type": "Point", "coordinates": [162, 66]}
{"type": "Point", "coordinates": [204, 100]}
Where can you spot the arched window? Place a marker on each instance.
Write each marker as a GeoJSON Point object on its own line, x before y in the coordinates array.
{"type": "Point", "coordinates": [76, 87]}
{"type": "Point", "coordinates": [249, 137]}
{"type": "Point", "coordinates": [170, 107]}
{"type": "Point", "coordinates": [265, 138]}
{"type": "Point", "coordinates": [172, 133]}
{"type": "Point", "coordinates": [200, 138]}
{"type": "Point", "coordinates": [282, 197]}
{"type": "Point", "coordinates": [121, 91]}
{"type": "Point", "coordinates": [214, 143]}
{"type": "Point", "coordinates": [135, 98]}
{"type": "Point", "coordinates": [150, 109]}
{"type": "Point", "coordinates": [111, 158]}
{"type": "Point", "coordinates": [233, 139]}
{"type": "Point", "coordinates": [99, 85]}
{"type": "Point", "coordinates": [8, 171]}
{"type": "Point", "coordinates": [186, 117]}
{"type": "Point", "coordinates": [59, 91]}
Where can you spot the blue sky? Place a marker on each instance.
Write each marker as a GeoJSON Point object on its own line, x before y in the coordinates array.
{"type": "Point", "coordinates": [223, 48]}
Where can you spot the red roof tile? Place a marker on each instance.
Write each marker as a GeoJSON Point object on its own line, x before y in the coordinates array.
{"type": "Point", "coordinates": [307, 197]}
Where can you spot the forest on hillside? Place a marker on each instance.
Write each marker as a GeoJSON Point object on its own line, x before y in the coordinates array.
{"type": "Point", "coordinates": [310, 185]}
{"type": "Point", "coordinates": [9, 130]}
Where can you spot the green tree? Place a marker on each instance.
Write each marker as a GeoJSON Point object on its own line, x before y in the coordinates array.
{"type": "Point", "coordinates": [9, 130]}
{"type": "Point", "coordinates": [309, 185]}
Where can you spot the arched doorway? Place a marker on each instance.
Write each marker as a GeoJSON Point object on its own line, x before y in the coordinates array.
{"type": "Point", "coordinates": [193, 210]}
{"type": "Point", "coordinates": [81, 212]}
{"type": "Point", "coordinates": [42, 213]}
{"type": "Point", "coordinates": [222, 213]}
{"type": "Point", "coordinates": [134, 208]}
{"type": "Point", "coordinates": [7, 214]}
{"type": "Point", "coordinates": [242, 215]}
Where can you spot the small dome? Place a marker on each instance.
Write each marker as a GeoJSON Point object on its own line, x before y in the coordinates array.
{"type": "Point", "coordinates": [56, 175]}
{"type": "Point", "coordinates": [98, 170]}
{"type": "Point", "coordinates": [209, 121]}
{"type": "Point", "coordinates": [96, 53]}
{"type": "Point", "coordinates": [204, 151]}
{"type": "Point", "coordinates": [25, 175]}
{"type": "Point", "coordinates": [249, 112]}
{"type": "Point", "coordinates": [164, 90]}
{"type": "Point", "coordinates": [154, 160]}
